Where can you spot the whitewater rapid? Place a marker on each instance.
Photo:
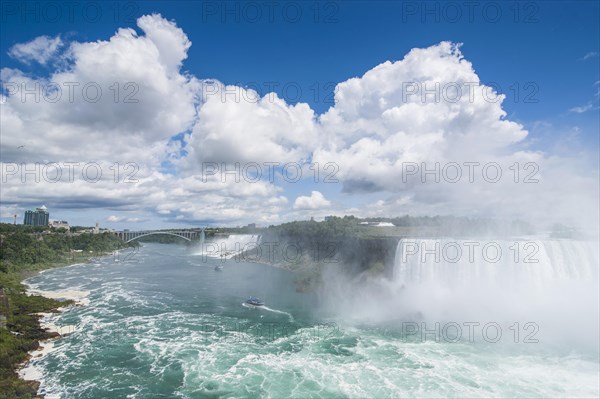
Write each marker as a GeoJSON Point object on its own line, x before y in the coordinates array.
{"type": "Point", "coordinates": [165, 324]}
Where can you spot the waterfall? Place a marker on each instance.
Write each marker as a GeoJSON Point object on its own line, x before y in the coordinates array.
{"type": "Point", "coordinates": [550, 286]}
{"type": "Point", "coordinates": [506, 263]}
{"type": "Point", "coordinates": [202, 237]}
{"type": "Point", "coordinates": [551, 283]}
{"type": "Point", "coordinates": [228, 246]}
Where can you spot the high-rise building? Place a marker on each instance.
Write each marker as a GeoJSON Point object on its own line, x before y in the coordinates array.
{"type": "Point", "coordinates": [39, 217]}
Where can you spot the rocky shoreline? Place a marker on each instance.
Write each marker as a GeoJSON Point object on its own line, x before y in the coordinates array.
{"type": "Point", "coordinates": [42, 331]}
{"type": "Point", "coordinates": [28, 371]}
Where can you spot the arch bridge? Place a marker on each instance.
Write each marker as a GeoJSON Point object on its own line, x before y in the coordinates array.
{"type": "Point", "coordinates": [129, 236]}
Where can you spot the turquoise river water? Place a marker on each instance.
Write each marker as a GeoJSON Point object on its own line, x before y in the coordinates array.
{"type": "Point", "coordinates": [163, 323]}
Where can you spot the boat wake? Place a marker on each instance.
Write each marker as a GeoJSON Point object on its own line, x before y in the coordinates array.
{"type": "Point", "coordinates": [279, 311]}
{"type": "Point", "coordinates": [249, 306]}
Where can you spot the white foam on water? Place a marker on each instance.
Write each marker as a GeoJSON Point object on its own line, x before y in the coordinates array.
{"type": "Point", "coordinates": [79, 297]}
{"type": "Point", "coordinates": [31, 371]}
{"type": "Point", "coordinates": [218, 360]}
{"type": "Point", "coordinates": [47, 322]}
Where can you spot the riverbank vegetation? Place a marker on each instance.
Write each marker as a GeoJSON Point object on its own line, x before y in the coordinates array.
{"type": "Point", "coordinates": [25, 250]}
{"type": "Point", "coordinates": [20, 334]}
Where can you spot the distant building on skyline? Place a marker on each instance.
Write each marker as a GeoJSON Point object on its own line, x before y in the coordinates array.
{"type": "Point", "coordinates": [39, 217]}
{"type": "Point", "coordinates": [58, 224]}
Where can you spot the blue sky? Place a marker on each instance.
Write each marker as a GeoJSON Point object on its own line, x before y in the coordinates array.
{"type": "Point", "coordinates": [549, 39]}
{"type": "Point", "coordinates": [543, 56]}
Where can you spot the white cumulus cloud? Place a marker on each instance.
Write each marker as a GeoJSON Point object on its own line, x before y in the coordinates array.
{"type": "Point", "coordinates": [238, 125]}
{"type": "Point", "coordinates": [41, 50]}
{"type": "Point", "coordinates": [427, 110]}
{"type": "Point", "coordinates": [315, 201]}
{"type": "Point", "coordinates": [120, 99]}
